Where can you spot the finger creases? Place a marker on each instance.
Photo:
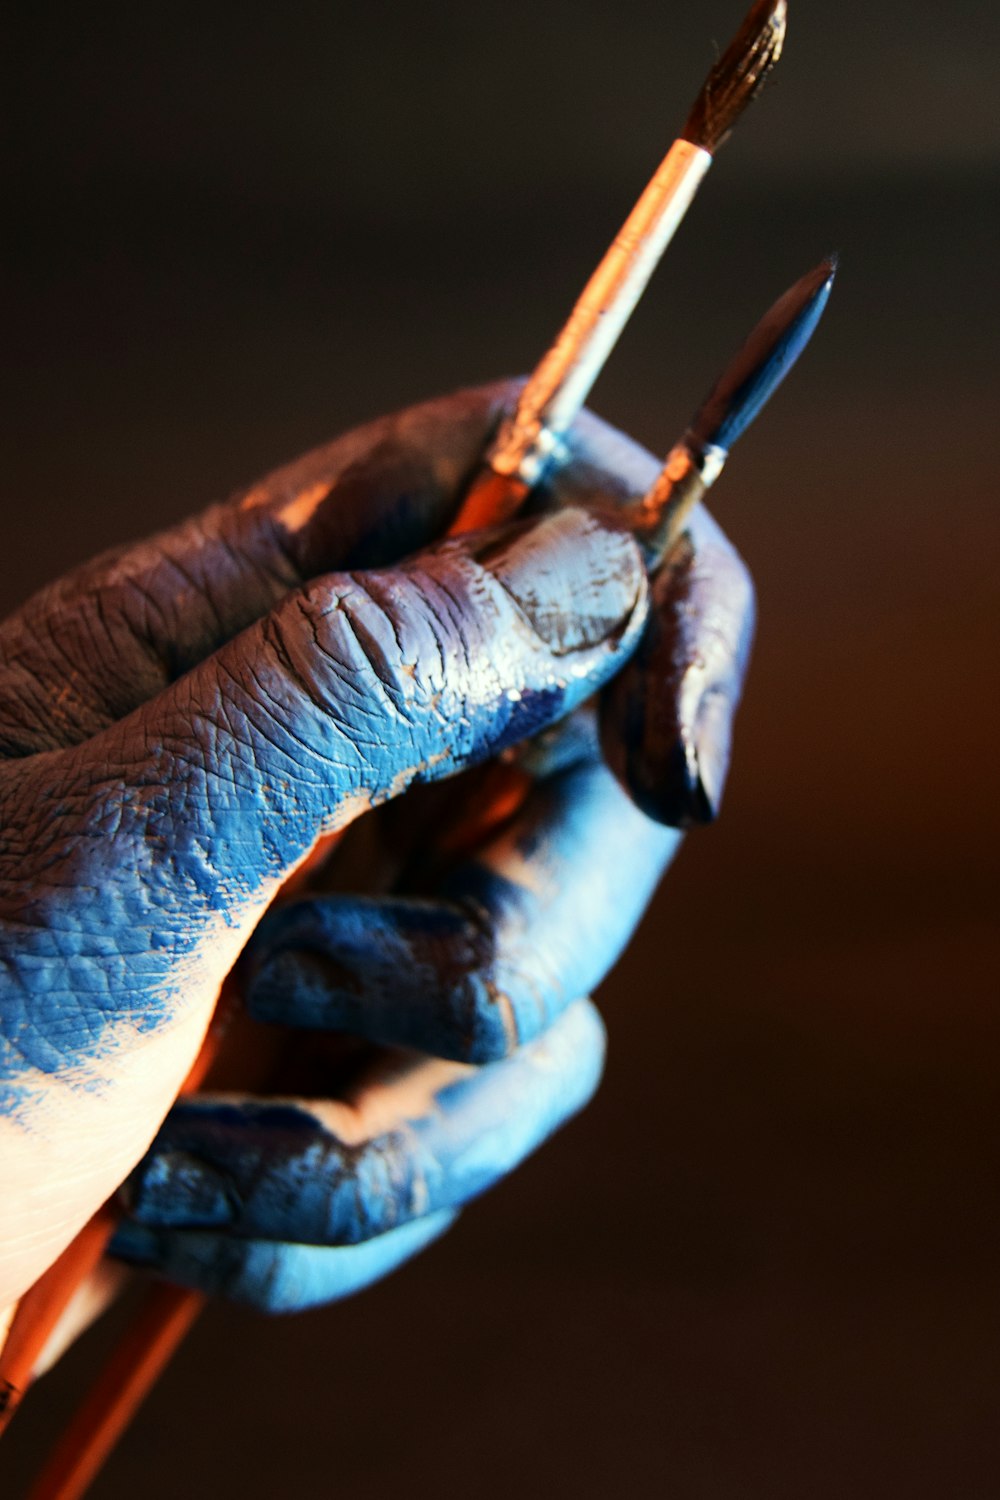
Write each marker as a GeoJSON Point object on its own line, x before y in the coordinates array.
{"type": "Point", "coordinates": [352, 689]}
{"type": "Point", "coordinates": [270, 1275]}
{"type": "Point", "coordinates": [92, 647]}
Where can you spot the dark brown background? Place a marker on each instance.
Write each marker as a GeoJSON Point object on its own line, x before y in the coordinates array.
{"type": "Point", "coordinates": [766, 1263]}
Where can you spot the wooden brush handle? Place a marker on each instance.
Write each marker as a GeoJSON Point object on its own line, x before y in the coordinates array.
{"type": "Point", "coordinates": [135, 1364]}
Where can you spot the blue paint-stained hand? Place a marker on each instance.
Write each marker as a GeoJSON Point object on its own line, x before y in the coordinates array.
{"type": "Point", "coordinates": [181, 720]}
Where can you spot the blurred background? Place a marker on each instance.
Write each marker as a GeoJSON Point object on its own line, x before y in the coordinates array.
{"type": "Point", "coordinates": [766, 1263]}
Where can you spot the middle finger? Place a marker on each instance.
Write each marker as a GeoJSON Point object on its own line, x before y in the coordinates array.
{"type": "Point", "coordinates": [489, 959]}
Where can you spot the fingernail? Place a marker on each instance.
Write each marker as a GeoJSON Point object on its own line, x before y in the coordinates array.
{"type": "Point", "coordinates": [674, 794]}
{"type": "Point", "coordinates": [672, 764]}
{"type": "Point", "coordinates": [712, 741]}
{"type": "Point", "coordinates": [693, 776]}
{"type": "Point", "coordinates": [578, 580]}
{"type": "Point", "coordinates": [175, 1190]}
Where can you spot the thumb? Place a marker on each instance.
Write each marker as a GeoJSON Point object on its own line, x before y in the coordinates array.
{"type": "Point", "coordinates": [351, 689]}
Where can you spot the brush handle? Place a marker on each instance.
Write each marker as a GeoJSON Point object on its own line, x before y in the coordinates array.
{"type": "Point", "coordinates": [557, 390]}
{"type": "Point", "coordinates": [133, 1369]}
{"type": "Point", "coordinates": [41, 1308]}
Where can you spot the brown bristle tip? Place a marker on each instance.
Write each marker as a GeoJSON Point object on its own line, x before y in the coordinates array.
{"type": "Point", "coordinates": [739, 75]}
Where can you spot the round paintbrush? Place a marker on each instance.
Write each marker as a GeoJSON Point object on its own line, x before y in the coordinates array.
{"type": "Point", "coordinates": [746, 385]}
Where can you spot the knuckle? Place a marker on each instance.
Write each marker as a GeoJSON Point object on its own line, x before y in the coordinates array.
{"type": "Point", "coordinates": [351, 652]}
{"type": "Point", "coordinates": [514, 1004]}
{"type": "Point", "coordinates": [493, 1033]}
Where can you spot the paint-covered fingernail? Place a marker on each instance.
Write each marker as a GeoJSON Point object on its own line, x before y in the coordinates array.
{"type": "Point", "coordinates": [692, 776]}
{"type": "Point", "coordinates": [672, 791]}
{"type": "Point", "coordinates": [577, 579]}
{"type": "Point", "coordinates": [713, 733]}
{"type": "Point", "coordinates": [685, 788]}
{"type": "Point", "coordinates": [667, 718]}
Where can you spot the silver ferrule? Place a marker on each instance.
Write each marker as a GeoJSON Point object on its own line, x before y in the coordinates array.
{"type": "Point", "coordinates": [711, 461]}
{"type": "Point", "coordinates": [660, 516]}
{"type": "Point", "coordinates": [523, 451]}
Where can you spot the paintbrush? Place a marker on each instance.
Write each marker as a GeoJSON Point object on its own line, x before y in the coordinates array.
{"type": "Point", "coordinates": [530, 437]}
{"type": "Point", "coordinates": [657, 520]}
{"type": "Point", "coordinates": [748, 382]}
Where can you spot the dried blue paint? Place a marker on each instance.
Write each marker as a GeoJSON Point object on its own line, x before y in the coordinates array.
{"type": "Point", "coordinates": [510, 939]}
{"type": "Point", "coordinates": [271, 1172]}
{"type": "Point", "coordinates": [174, 819]}
{"type": "Point", "coordinates": [271, 1276]}
{"type": "Point", "coordinates": [177, 797]}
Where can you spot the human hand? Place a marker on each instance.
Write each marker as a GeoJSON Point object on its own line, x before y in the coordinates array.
{"type": "Point", "coordinates": [285, 1204]}
{"type": "Point", "coordinates": [183, 718]}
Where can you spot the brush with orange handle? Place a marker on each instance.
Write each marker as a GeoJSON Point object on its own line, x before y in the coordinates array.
{"type": "Point", "coordinates": [528, 442]}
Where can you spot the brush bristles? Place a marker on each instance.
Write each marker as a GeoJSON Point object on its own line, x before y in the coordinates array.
{"type": "Point", "coordinates": [738, 76]}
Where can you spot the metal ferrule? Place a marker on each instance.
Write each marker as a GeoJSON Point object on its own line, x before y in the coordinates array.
{"type": "Point", "coordinates": [524, 450]}
{"type": "Point", "coordinates": [660, 516]}
{"type": "Point", "coordinates": [711, 461]}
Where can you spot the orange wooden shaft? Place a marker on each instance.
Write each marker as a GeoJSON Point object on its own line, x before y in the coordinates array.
{"type": "Point", "coordinates": [162, 1321]}
{"type": "Point", "coordinates": [40, 1309]}
{"type": "Point", "coordinates": [42, 1306]}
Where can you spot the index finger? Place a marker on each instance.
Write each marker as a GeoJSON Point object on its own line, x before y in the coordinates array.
{"type": "Point", "coordinates": [99, 642]}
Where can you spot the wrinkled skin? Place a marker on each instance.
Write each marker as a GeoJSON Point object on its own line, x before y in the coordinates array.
{"type": "Point", "coordinates": [182, 719]}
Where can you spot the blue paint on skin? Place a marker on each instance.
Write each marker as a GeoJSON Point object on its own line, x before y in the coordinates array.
{"type": "Point", "coordinates": [512, 938]}
{"type": "Point", "coordinates": [270, 1276]}
{"type": "Point", "coordinates": [150, 788]}
{"type": "Point", "coordinates": [252, 1172]}
{"type": "Point", "coordinates": [161, 771]}
{"type": "Point", "coordinates": [121, 855]}
{"type": "Point", "coordinates": [666, 721]}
